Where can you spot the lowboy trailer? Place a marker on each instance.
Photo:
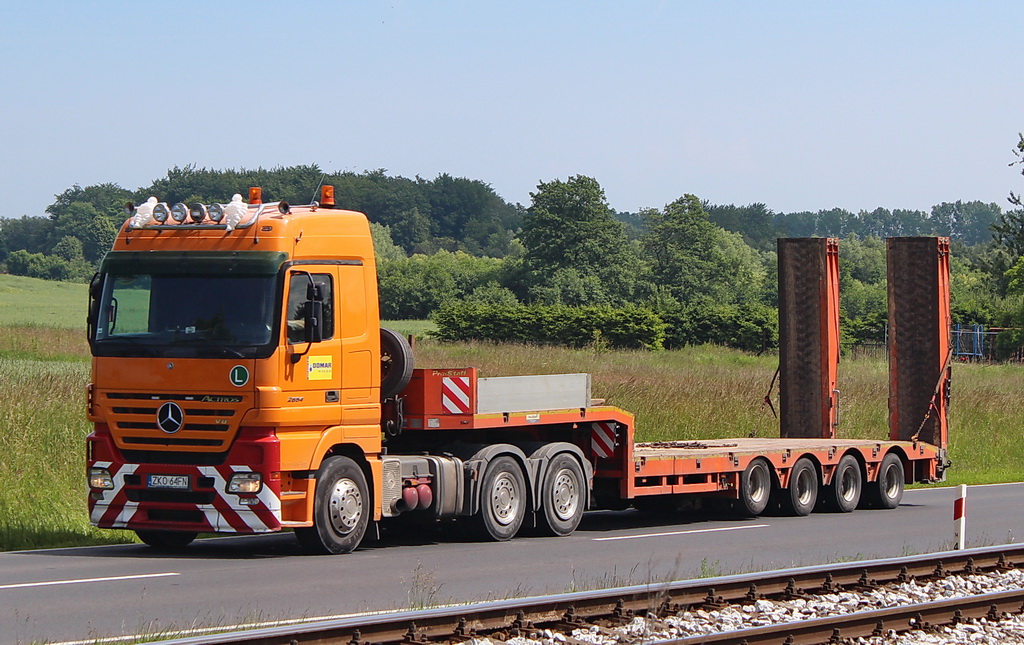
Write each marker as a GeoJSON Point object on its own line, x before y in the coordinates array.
{"type": "Point", "coordinates": [241, 384]}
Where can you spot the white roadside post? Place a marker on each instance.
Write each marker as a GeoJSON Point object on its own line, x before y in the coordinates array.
{"type": "Point", "coordinates": [960, 517]}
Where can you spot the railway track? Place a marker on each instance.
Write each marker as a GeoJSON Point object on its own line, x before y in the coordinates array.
{"type": "Point", "coordinates": [605, 616]}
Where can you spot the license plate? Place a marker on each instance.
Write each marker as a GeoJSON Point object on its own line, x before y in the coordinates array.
{"type": "Point", "coordinates": [168, 481]}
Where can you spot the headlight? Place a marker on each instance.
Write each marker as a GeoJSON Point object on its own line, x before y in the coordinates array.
{"type": "Point", "coordinates": [243, 483]}
{"type": "Point", "coordinates": [100, 478]}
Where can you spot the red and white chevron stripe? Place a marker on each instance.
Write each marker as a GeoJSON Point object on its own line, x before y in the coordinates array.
{"type": "Point", "coordinates": [455, 394]}
{"type": "Point", "coordinates": [602, 439]}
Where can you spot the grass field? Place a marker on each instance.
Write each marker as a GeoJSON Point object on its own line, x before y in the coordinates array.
{"type": "Point", "coordinates": [699, 392]}
{"type": "Point", "coordinates": [30, 301]}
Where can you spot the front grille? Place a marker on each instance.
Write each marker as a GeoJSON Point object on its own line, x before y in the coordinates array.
{"type": "Point", "coordinates": [209, 420]}
{"type": "Point", "coordinates": [169, 496]}
{"type": "Point", "coordinates": [177, 458]}
{"type": "Point", "coordinates": [169, 515]}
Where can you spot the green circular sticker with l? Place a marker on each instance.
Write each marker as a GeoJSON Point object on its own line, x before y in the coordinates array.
{"type": "Point", "coordinates": [239, 375]}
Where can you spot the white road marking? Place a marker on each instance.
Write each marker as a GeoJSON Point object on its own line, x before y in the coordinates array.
{"type": "Point", "coordinates": [51, 583]}
{"type": "Point", "coordinates": [651, 535]}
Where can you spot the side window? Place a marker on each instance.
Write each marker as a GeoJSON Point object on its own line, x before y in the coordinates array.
{"type": "Point", "coordinates": [296, 312]}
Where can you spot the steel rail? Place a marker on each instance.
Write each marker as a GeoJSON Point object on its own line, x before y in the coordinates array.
{"type": "Point", "coordinates": [523, 615]}
{"type": "Point", "coordinates": [875, 622]}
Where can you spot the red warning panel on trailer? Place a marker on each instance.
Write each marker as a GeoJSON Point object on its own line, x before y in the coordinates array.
{"type": "Point", "coordinates": [438, 399]}
{"type": "Point", "coordinates": [602, 439]}
{"type": "Point", "coordinates": [455, 394]}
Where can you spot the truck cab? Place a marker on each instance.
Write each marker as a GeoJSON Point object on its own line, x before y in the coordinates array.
{"type": "Point", "coordinates": [227, 362]}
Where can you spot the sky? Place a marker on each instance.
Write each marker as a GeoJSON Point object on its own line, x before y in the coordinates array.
{"type": "Point", "coordinates": [798, 105]}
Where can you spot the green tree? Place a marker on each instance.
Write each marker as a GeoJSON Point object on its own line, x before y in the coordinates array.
{"type": "Point", "coordinates": [694, 260]}
{"type": "Point", "coordinates": [570, 227]}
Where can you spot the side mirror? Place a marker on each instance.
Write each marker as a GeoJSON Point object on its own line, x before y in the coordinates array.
{"type": "Point", "coordinates": [314, 321]}
{"type": "Point", "coordinates": [95, 291]}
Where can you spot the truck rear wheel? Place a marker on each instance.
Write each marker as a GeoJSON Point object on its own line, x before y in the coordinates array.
{"type": "Point", "coordinates": [887, 491]}
{"type": "Point", "coordinates": [341, 509]}
{"type": "Point", "coordinates": [755, 488]}
{"type": "Point", "coordinates": [502, 500]}
{"type": "Point", "coordinates": [167, 540]}
{"type": "Point", "coordinates": [562, 496]}
{"type": "Point", "coordinates": [802, 493]}
{"type": "Point", "coordinates": [843, 494]}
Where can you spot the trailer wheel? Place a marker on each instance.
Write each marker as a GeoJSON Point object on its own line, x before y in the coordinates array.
{"type": "Point", "coordinates": [396, 363]}
{"type": "Point", "coordinates": [167, 540]}
{"type": "Point", "coordinates": [802, 494]}
{"type": "Point", "coordinates": [502, 500]}
{"type": "Point", "coordinates": [887, 491]}
{"type": "Point", "coordinates": [843, 494]}
{"type": "Point", "coordinates": [562, 496]}
{"type": "Point", "coordinates": [341, 509]}
{"type": "Point", "coordinates": [755, 488]}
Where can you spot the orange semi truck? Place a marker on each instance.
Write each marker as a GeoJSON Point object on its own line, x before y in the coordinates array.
{"type": "Point", "coordinates": [241, 383]}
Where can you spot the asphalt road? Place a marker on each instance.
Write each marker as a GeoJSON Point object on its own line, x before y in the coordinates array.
{"type": "Point", "coordinates": [88, 593]}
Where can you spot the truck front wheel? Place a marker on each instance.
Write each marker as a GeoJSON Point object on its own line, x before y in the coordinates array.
{"type": "Point", "coordinates": [341, 509]}
{"type": "Point", "coordinates": [502, 500]}
{"type": "Point", "coordinates": [167, 540]}
{"type": "Point", "coordinates": [562, 496]}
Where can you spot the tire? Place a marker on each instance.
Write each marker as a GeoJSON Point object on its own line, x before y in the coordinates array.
{"type": "Point", "coordinates": [503, 500]}
{"type": "Point", "coordinates": [396, 363]}
{"type": "Point", "coordinates": [167, 540]}
{"type": "Point", "coordinates": [563, 496]}
{"type": "Point", "coordinates": [844, 493]}
{"type": "Point", "coordinates": [887, 491]}
{"type": "Point", "coordinates": [755, 488]}
{"type": "Point", "coordinates": [341, 509]}
{"type": "Point", "coordinates": [802, 493]}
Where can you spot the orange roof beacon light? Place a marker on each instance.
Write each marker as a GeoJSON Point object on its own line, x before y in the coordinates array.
{"type": "Point", "coordinates": [255, 195]}
{"type": "Point", "coordinates": [327, 196]}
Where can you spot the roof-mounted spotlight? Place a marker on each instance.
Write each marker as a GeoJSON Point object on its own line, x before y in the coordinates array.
{"type": "Point", "coordinates": [197, 213]}
{"type": "Point", "coordinates": [179, 212]}
{"type": "Point", "coordinates": [160, 212]}
{"type": "Point", "coordinates": [215, 212]}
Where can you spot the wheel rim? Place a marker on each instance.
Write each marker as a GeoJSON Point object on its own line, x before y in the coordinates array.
{"type": "Point", "coordinates": [346, 506]}
{"type": "Point", "coordinates": [848, 485]}
{"type": "Point", "coordinates": [565, 496]}
{"type": "Point", "coordinates": [804, 487]}
{"type": "Point", "coordinates": [505, 499]}
{"type": "Point", "coordinates": [757, 484]}
{"type": "Point", "coordinates": [891, 481]}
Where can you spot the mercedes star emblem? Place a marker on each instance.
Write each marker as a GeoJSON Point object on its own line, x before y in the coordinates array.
{"type": "Point", "coordinates": [170, 417]}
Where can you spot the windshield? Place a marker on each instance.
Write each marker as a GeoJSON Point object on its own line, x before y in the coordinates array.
{"type": "Point", "coordinates": [185, 316]}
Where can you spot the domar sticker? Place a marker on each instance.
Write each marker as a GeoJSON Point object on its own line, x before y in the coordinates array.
{"type": "Point", "coordinates": [320, 368]}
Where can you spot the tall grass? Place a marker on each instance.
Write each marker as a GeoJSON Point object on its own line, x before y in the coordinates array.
{"type": "Point", "coordinates": [694, 393]}
{"type": "Point", "coordinates": [42, 443]}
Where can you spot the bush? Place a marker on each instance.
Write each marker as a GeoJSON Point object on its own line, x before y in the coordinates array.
{"type": "Point", "coordinates": [628, 327]}
{"type": "Point", "coordinates": [751, 327]}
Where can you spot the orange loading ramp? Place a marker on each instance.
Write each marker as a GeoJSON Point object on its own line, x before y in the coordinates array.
{"type": "Point", "coordinates": [809, 397]}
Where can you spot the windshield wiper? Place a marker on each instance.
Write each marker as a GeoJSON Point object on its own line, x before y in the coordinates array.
{"type": "Point", "coordinates": [201, 342]}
